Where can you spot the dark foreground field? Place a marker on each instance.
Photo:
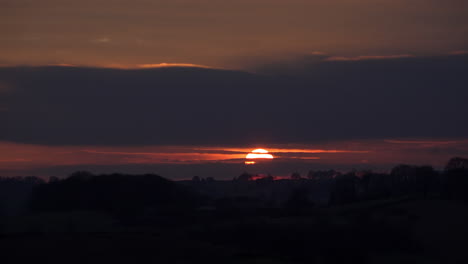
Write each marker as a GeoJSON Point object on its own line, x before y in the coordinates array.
{"type": "Point", "coordinates": [412, 215]}
{"type": "Point", "coordinates": [382, 231]}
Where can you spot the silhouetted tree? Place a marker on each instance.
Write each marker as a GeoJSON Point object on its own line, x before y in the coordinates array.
{"type": "Point", "coordinates": [295, 176]}
{"type": "Point", "coordinates": [426, 178]}
{"type": "Point", "coordinates": [244, 177]}
{"type": "Point", "coordinates": [413, 180]}
{"type": "Point", "coordinates": [81, 175]}
{"type": "Point", "coordinates": [322, 175]}
{"type": "Point", "coordinates": [210, 179]}
{"type": "Point", "coordinates": [456, 178]}
{"type": "Point", "coordinates": [196, 179]}
{"type": "Point", "coordinates": [401, 175]}
{"type": "Point", "coordinates": [457, 163]}
{"type": "Point", "coordinates": [265, 180]}
{"type": "Point", "coordinates": [344, 190]}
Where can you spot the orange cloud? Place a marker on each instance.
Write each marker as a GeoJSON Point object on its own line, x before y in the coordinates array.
{"type": "Point", "coordinates": [165, 65]}
{"type": "Point", "coordinates": [117, 66]}
{"type": "Point", "coordinates": [287, 150]}
{"type": "Point", "coordinates": [161, 156]}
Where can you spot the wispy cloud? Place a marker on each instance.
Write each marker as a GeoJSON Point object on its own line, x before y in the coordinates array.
{"type": "Point", "coordinates": [163, 65]}
{"type": "Point", "coordinates": [459, 52]}
{"type": "Point", "coordinates": [102, 40]}
{"type": "Point", "coordinates": [438, 142]}
{"type": "Point", "coordinates": [375, 57]}
{"type": "Point", "coordinates": [14, 160]}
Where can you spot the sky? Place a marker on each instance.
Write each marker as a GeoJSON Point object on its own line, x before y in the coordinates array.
{"type": "Point", "coordinates": [230, 34]}
{"type": "Point", "coordinates": [185, 87]}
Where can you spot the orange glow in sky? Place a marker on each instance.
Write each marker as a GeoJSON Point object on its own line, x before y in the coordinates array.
{"type": "Point", "coordinates": [28, 159]}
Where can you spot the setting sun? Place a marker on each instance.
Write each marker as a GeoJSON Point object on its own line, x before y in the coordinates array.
{"type": "Point", "coordinates": [258, 154]}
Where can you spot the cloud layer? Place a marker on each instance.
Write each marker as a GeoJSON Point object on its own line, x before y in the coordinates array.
{"type": "Point", "coordinates": [312, 100]}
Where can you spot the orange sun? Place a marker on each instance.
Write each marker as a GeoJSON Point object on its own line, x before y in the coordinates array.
{"type": "Point", "coordinates": [257, 154]}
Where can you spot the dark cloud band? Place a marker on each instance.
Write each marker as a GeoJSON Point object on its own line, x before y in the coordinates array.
{"type": "Point", "coordinates": [317, 101]}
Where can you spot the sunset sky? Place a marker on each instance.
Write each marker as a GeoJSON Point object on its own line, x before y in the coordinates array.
{"type": "Point", "coordinates": [186, 87]}
{"type": "Point", "coordinates": [231, 34]}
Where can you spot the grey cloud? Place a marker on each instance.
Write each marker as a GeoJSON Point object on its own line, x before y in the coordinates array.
{"type": "Point", "coordinates": [315, 100]}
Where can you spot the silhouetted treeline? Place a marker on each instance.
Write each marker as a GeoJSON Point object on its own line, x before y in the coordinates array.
{"type": "Point", "coordinates": [113, 193]}
{"type": "Point", "coordinates": [404, 180]}
{"type": "Point", "coordinates": [139, 194]}
{"type": "Point", "coordinates": [331, 187]}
